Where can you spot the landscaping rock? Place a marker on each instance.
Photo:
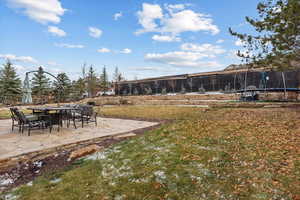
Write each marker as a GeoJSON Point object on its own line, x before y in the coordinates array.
{"type": "Point", "coordinates": [84, 151]}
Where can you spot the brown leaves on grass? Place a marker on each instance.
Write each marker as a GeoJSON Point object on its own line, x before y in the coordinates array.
{"type": "Point", "coordinates": [264, 144]}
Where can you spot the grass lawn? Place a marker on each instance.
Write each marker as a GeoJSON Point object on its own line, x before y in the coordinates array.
{"type": "Point", "coordinates": [203, 154]}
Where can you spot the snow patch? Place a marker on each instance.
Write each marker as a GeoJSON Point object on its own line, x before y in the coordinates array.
{"type": "Point", "coordinates": [10, 197]}
{"type": "Point", "coordinates": [5, 180]}
{"type": "Point", "coordinates": [160, 175]}
{"type": "Point", "coordinates": [38, 164]}
{"type": "Point", "coordinates": [29, 184]}
{"type": "Point", "coordinates": [57, 180]}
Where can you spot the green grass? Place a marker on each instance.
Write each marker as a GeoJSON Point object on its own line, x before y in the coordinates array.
{"type": "Point", "coordinates": [203, 154]}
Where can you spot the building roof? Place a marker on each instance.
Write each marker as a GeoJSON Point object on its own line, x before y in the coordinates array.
{"type": "Point", "coordinates": [185, 76]}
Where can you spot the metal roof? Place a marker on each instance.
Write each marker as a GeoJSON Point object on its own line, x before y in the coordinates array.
{"type": "Point", "coordinates": [185, 76]}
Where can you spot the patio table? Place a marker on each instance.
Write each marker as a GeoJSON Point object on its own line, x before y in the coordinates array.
{"type": "Point", "coordinates": [47, 109]}
{"type": "Point", "coordinates": [56, 118]}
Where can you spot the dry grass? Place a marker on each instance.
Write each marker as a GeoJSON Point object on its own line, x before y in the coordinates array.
{"type": "Point", "coordinates": [5, 113]}
{"type": "Point", "coordinates": [151, 112]}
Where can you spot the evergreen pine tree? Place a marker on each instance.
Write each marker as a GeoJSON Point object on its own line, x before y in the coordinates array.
{"type": "Point", "coordinates": [277, 40]}
{"type": "Point", "coordinates": [62, 87]}
{"type": "Point", "coordinates": [104, 84]}
{"type": "Point", "coordinates": [92, 82]}
{"type": "Point", "coordinates": [40, 84]}
{"type": "Point", "coordinates": [10, 84]}
{"type": "Point", "coordinates": [78, 89]}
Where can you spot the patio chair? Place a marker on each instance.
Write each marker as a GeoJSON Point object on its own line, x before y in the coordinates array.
{"type": "Point", "coordinates": [84, 114]}
{"type": "Point", "coordinates": [29, 123]}
{"type": "Point", "coordinates": [67, 115]}
{"type": "Point", "coordinates": [16, 122]}
{"type": "Point", "coordinates": [54, 119]}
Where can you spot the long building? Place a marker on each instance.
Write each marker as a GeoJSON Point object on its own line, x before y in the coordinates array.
{"type": "Point", "coordinates": [217, 81]}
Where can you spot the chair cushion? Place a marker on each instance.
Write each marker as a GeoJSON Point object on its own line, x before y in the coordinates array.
{"type": "Point", "coordinates": [32, 117]}
{"type": "Point", "coordinates": [77, 114]}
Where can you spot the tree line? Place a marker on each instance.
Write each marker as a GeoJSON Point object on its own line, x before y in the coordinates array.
{"type": "Point", "coordinates": [62, 89]}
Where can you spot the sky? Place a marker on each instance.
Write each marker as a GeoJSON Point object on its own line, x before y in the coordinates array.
{"type": "Point", "coordinates": [142, 38]}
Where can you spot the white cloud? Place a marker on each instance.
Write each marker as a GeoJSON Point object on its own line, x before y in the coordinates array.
{"type": "Point", "coordinates": [175, 7]}
{"type": "Point", "coordinates": [56, 31]}
{"type": "Point", "coordinates": [209, 49]}
{"type": "Point", "coordinates": [220, 41]}
{"type": "Point", "coordinates": [126, 51]}
{"type": "Point", "coordinates": [19, 68]}
{"type": "Point", "coordinates": [72, 46]}
{"type": "Point", "coordinates": [103, 50]}
{"type": "Point", "coordinates": [233, 54]}
{"type": "Point", "coordinates": [176, 20]}
{"type": "Point", "coordinates": [147, 17]}
{"type": "Point", "coordinates": [148, 68]}
{"type": "Point", "coordinates": [181, 59]}
{"type": "Point", "coordinates": [174, 57]}
{"type": "Point", "coordinates": [53, 63]}
{"type": "Point", "coordinates": [191, 55]}
{"type": "Point", "coordinates": [27, 59]}
{"type": "Point", "coordinates": [54, 70]}
{"type": "Point", "coordinates": [165, 38]}
{"type": "Point", "coordinates": [95, 32]}
{"type": "Point", "coordinates": [188, 20]}
{"type": "Point", "coordinates": [43, 11]}
{"type": "Point", "coordinates": [239, 43]}
{"type": "Point", "coordinates": [118, 15]}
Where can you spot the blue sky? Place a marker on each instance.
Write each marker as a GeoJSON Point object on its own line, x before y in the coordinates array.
{"type": "Point", "coordinates": [143, 38]}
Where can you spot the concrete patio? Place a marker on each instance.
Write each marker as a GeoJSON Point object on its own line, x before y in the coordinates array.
{"type": "Point", "coordinates": [14, 143]}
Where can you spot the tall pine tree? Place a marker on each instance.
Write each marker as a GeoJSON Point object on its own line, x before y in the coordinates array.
{"type": "Point", "coordinates": [276, 43]}
{"type": "Point", "coordinates": [40, 85]}
{"type": "Point", "coordinates": [62, 87]}
{"type": "Point", "coordinates": [78, 89]}
{"type": "Point", "coordinates": [10, 84]}
{"type": "Point", "coordinates": [104, 84]}
{"type": "Point", "coordinates": [92, 82]}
